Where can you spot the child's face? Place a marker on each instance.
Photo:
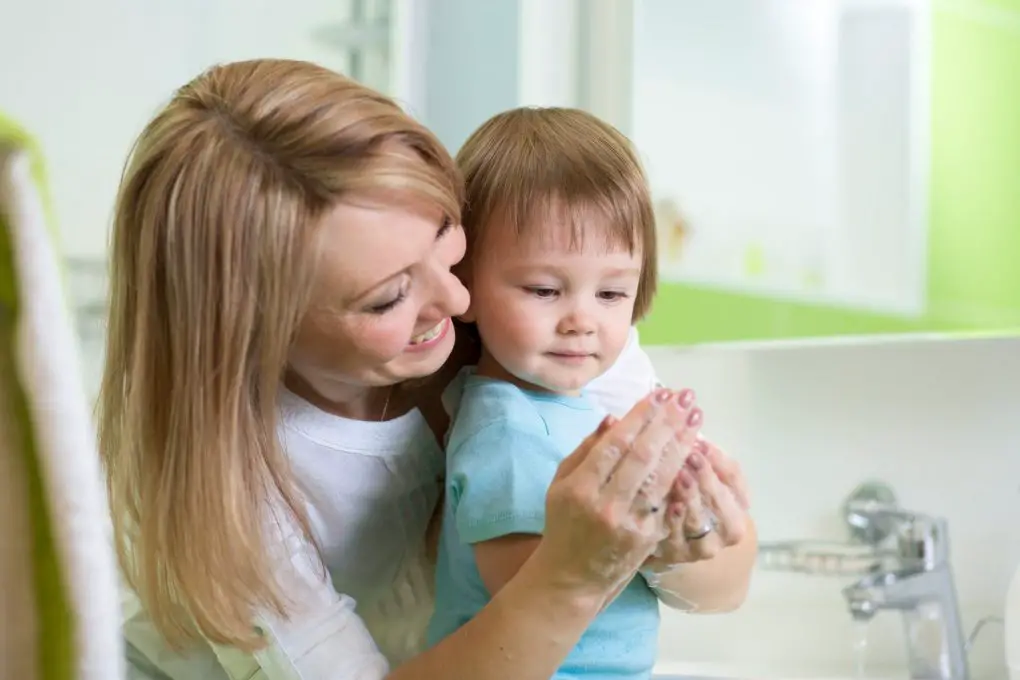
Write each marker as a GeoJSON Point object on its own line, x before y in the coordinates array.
{"type": "Point", "coordinates": [550, 315]}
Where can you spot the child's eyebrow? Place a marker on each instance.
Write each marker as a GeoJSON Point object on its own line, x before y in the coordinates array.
{"type": "Point", "coordinates": [624, 271]}
{"type": "Point", "coordinates": [562, 271]}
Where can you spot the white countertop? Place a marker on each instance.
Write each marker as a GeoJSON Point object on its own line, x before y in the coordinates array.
{"type": "Point", "coordinates": [669, 669]}
{"type": "Point", "coordinates": [852, 340]}
{"type": "Point", "coordinates": [701, 671]}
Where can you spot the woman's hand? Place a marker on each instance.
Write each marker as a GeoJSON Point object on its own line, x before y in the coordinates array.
{"type": "Point", "coordinates": [708, 509]}
{"type": "Point", "coordinates": [605, 509]}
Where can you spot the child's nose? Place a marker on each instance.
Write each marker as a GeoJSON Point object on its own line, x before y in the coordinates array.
{"type": "Point", "coordinates": [578, 323]}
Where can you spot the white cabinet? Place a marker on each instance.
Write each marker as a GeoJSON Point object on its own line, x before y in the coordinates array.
{"type": "Point", "coordinates": [786, 142]}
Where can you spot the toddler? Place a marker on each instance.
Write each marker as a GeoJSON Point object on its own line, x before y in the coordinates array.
{"type": "Point", "coordinates": [561, 262]}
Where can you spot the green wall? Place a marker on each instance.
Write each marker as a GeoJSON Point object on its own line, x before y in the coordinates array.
{"type": "Point", "coordinates": [974, 231]}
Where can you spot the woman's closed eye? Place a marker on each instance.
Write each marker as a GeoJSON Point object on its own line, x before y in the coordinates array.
{"type": "Point", "coordinates": [383, 307]}
{"type": "Point", "coordinates": [445, 228]}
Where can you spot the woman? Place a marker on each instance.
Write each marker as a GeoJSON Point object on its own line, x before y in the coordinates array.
{"type": "Point", "coordinates": [281, 285]}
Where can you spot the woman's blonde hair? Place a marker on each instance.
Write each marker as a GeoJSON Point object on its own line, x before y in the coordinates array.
{"type": "Point", "coordinates": [212, 257]}
{"type": "Point", "coordinates": [528, 164]}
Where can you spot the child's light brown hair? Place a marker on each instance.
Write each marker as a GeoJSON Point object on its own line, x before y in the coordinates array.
{"type": "Point", "coordinates": [527, 164]}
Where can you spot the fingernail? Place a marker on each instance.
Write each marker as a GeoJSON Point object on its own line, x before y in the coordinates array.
{"type": "Point", "coordinates": [695, 460]}
{"type": "Point", "coordinates": [685, 478]}
{"type": "Point", "coordinates": [676, 510]}
{"type": "Point", "coordinates": [686, 398]}
{"type": "Point", "coordinates": [695, 418]}
{"type": "Point", "coordinates": [662, 396]}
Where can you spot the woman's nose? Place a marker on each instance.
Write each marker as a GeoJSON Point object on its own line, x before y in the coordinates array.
{"type": "Point", "coordinates": [447, 295]}
{"type": "Point", "coordinates": [456, 296]}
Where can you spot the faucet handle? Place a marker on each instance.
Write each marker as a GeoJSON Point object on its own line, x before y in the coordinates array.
{"type": "Point", "coordinates": [873, 515]}
{"type": "Point", "coordinates": [869, 512]}
{"type": "Point", "coordinates": [925, 539]}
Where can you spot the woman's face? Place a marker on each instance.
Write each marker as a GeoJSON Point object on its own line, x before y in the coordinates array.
{"type": "Point", "coordinates": [382, 298]}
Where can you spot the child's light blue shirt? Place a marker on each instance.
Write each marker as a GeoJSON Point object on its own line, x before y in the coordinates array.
{"type": "Point", "coordinates": [502, 453]}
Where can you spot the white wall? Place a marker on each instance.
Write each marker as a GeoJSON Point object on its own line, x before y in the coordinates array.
{"type": "Point", "coordinates": [939, 421]}
{"type": "Point", "coordinates": [84, 77]}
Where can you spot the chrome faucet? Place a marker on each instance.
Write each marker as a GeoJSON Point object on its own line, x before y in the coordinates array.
{"type": "Point", "coordinates": [917, 580]}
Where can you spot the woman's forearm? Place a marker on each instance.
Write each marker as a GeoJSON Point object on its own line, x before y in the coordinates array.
{"type": "Point", "coordinates": [524, 633]}
{"type": "Point", "coordinates": [712, 586]}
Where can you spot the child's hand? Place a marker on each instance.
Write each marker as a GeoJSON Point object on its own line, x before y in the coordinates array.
{"type": "Point", "coordinates": [708, 509]}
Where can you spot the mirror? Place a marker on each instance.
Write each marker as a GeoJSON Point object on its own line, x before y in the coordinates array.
{"type": "Point", "coordinates": [785, 143]}
{"type": "Point", "coordinates": [827, 168]}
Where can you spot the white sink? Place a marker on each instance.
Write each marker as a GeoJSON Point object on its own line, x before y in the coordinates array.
{"type": "Point", "coordinates": [674, 676]}
{"type": "Point", "coordinates": [745, 674]}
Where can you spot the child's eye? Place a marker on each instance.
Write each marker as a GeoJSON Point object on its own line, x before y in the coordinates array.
{"type": "Point", "coordinates": [542, 292]}
{"type": "Point", "coordinates": [612, 295]}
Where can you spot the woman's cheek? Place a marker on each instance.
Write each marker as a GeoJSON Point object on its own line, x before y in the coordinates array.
{"type": "Point", "coordinates": [390, 337]}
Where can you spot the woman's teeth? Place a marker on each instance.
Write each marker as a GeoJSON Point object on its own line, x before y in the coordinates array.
{"type": "Point", "coordinates": [429, 334]}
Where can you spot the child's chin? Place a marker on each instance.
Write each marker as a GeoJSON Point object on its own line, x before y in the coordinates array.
{"type": "Point", "coordinates": [570, 384]}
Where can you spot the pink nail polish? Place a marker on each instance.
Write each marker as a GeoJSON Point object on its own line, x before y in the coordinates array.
{"type": "Point", "coordinates": [695, 418]}
{"type": "Point", "coordinates": [695, 460]}
{"type": "Point", "coordinates": [662, 396]}
{"type": "Point", "coordinates": [686, 398]}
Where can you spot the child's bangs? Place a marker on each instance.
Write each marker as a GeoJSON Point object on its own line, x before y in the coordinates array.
{"type": "Point", "coordinates": [585, 221]}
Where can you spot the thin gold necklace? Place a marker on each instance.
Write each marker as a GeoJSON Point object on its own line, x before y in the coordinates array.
{"type": "Point", "coordinates": [386, 404]}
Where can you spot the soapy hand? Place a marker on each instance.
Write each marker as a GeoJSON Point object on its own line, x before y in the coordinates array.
{"type": "Point", "coordinates": [605, 509]}
{"type": "Point", "coordinates": [707, 510]}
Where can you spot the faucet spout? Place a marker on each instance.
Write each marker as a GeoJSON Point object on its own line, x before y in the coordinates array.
{"type": "Point", "coordinates": [923, 591]}
{"type": "Point", "coordinates": [903, 590]}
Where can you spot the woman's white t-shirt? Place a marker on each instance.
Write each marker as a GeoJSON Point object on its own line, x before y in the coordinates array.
{"type": "Point", "coordinates": [370, 490]}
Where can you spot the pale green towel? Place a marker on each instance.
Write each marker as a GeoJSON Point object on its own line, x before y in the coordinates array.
{"type": "Point", "coordinates": [67, 623]}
